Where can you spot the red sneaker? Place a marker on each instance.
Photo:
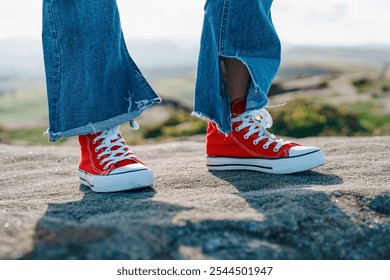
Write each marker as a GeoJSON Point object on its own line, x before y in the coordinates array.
{"type": "Point", "coordinates": [251, 147]}
{"type": "Point", "coordinates": [107, 164]}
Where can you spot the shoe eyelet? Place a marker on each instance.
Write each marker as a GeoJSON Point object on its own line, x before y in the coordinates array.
{"type": "Point", "coordinates": [265, 147]}
{"type": "Point", "coordinates": [94, 142]}
{"type": "Point", "coordinates": [255, 142]}
{"type": "Point", "coordinates": [246, 137]}
{"type": "Point", "coordinates": [276, 150]}
{"type": "Point", "coordinates": [101, 163]}
{"type": "Point", "coordinates": [98, 157]}
{"type": "Point", "coordinates": [96, 150]}
{"type": "Point", "coordinates": [105, 168]}
{"type": "Point", "coordinates": [237, 129]}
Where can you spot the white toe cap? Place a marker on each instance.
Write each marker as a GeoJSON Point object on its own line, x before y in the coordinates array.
{"type": "Point", "coordinates": [129, 168]}
{"type": "Point", "coordinates": [302, 150]}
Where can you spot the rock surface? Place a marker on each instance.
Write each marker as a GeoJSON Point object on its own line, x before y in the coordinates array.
{"type": "Point", "coordinates": [338, 211]}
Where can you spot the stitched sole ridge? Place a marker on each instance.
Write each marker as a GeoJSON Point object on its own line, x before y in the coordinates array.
{"type": "Point", "coordinates": [275, 166]}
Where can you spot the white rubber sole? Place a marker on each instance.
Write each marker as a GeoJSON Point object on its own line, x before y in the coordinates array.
{"type": "Point", "coordinates": [130, 180]}
{"type": "Point", "coordinates": [275, 166]}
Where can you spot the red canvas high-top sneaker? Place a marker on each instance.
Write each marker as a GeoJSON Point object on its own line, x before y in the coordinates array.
{"type": "Point", "coordinates": [107, 164]}
{"type": "Point", "coordinates": [251, 147]}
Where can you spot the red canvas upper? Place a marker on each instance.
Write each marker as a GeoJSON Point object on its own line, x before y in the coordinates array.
{"type": "Point", "coordinates": [89, 161]}
{"type": "Point", "coordinates": [234, 143]}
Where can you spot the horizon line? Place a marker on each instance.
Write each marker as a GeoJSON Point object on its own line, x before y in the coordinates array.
{"type": "Point", "coordinates": [194, 39]}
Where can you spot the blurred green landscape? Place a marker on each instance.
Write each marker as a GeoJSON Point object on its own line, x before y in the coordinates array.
{"type": "Point", "coordinates": [326, 94]}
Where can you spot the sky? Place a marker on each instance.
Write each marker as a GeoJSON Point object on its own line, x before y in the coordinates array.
{"type": "Point", "coordinates": [298, 22]}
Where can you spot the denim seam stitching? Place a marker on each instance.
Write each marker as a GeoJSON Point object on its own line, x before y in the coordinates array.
{"type": "Point", "coordinates": [225, 15]}
{"type": "Point", "coordinates": [56, 38]}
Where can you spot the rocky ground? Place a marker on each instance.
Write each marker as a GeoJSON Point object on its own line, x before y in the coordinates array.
{"type": "Point", "coordinates": [338, 211]}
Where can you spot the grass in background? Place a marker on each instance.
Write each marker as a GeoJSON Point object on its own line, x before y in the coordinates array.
{"type": "Point", "coordinates": [177, 125]}
{"type": "Point", "coordinates": [303, 118]}
{"type": "Point", "coordinates": [23, 115]}
{"type": "Point", "coordinates": [23, 106]}
{"type": "Point", "coordinates": [180, 88]}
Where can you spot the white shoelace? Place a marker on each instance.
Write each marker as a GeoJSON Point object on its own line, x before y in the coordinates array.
{"type": "Point", "coordinates": [114, 156]}
{"type": "Point", "coordinates": [258, 122]}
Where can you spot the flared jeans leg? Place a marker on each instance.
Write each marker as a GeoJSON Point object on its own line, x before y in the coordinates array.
{"type": "Point", "coordinates": [92, 82]}
{"type": "Point", "coordinates": [240, 29]}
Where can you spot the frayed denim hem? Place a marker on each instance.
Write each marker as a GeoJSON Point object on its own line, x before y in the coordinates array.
{"type": "Point", "coordinates": [256, 107]}
{"type": "Point", "coordinates": [205, 117]}
{"type": "Point", "coordinates": [104, 125]}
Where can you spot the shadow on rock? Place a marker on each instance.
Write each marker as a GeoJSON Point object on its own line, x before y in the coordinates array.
{"type": "Point", "coordinates": [126, 225]}
{"type": "Point", "coordinates": [299, 223]}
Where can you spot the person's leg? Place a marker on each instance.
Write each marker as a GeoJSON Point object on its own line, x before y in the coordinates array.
{"type": "Point", "coordinates": [237, 78]}
{"type": "Point", "coordinates": [93, 86]}
{"type": "Point", "coordinates": [239, 57]}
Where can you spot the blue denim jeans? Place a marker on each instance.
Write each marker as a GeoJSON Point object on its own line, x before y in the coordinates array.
{"type": "Point", "coordinates": [93, 84]}
{"type": "Point", "coordinates": [240, 29]}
